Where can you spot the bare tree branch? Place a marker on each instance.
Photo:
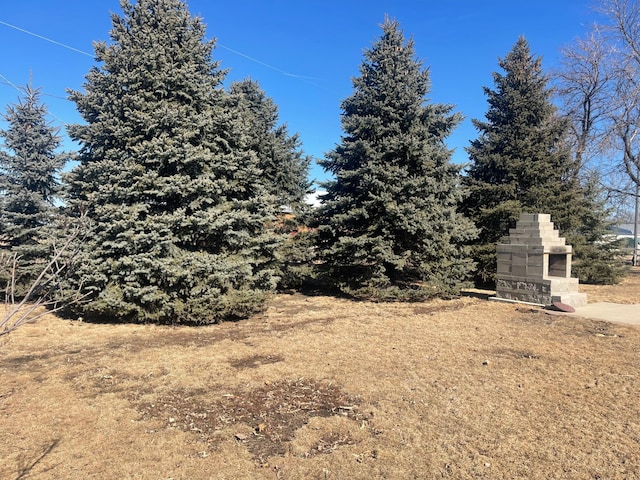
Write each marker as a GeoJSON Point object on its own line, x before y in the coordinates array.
{"type": "Point", "coordinates": [40, 294]}
{"type": "Point", "coordinates": [598, 83]}
{"type": "Point", "coordinates": [581, 83]}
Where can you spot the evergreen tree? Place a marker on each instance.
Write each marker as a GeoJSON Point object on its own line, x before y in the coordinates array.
{"type": "Point", "coordinates": [284, 172]}
{"type": "Point", "coordinates": [168, 177]}
{"type": "Point", "coordinates": [284, 167]}
{"type": "Point", "coordinates": [30, 165]}
{"type": "Point", "coordinates": [521, 162]}
{"type": "Point", "coordinates": [389, 224]}
{"type": "Point", "coordinates": [595, 260]}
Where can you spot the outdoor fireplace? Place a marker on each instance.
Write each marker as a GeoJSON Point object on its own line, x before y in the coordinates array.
{"type": "Point", "coordinates": [534, 265]}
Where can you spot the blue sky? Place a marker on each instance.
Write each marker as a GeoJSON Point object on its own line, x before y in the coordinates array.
{"type": "Point", "coordinates": [303, 53]}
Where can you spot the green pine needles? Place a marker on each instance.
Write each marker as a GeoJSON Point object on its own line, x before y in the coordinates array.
{"type": "Point", "coordinates": [389, 226]}
{"type": "Point", "coordinates": [30, 166]}
{"type": "Point", "coordinates": [182, 227]}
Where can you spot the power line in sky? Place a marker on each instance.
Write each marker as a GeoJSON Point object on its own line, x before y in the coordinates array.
{"type": "Point", "coordinates": [10, 83]}
{"type": "Point", "coordinates": [46, 39]}
{"type": "Point", "coordinates": [236, 52]}
{"type": "Point", "coordinates": [255, 60]}
{"type": "Point", "coordinates": [82, 52]}
{"type": "Point", "coordinates": [22, 90]}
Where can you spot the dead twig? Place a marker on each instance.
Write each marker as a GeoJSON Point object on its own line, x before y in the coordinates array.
{"type": "Point", "coordinates": [25, 310]}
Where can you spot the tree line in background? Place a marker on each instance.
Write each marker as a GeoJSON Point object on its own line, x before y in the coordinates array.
{"type": "Point", "coordinates": [190, 197]}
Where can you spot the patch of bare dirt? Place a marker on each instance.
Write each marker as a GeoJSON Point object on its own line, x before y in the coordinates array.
{"type": "Point", "coordinates": [264, 419]}
{"type": "Point", "coordinates": [254, 361]}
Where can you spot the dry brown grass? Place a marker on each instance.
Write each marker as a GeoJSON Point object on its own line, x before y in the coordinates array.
{"type": "Point", "coordinates": [325, 388]}
{"type": "Point", "coordinates": [628, 291]}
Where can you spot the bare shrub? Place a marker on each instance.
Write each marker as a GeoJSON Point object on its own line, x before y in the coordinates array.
{"type": "Point", "coordinates": [39, 299]}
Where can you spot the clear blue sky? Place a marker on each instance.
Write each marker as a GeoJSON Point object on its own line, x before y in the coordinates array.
{"type": "Point", "coordinates": [303, 53]}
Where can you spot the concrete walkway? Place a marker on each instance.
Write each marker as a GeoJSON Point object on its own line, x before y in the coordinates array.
{"type": "Point", "coordinates": [611, 312]}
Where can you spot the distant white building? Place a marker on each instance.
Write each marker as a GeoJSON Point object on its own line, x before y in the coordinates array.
{"type": "Point", "coordinates": [625, 231]}
{"type": "Point", "coordinates": [313, 198]}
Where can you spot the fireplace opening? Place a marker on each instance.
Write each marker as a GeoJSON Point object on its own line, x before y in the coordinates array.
{"type": "Point", "coordinates": [557, 265]}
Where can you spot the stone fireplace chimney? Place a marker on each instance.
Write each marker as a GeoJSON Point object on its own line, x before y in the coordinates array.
{"type": "Point", "coordinates": [534, 265]}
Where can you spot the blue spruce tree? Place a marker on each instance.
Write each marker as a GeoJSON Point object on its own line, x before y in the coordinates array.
{"type": "Point", "coordinates": [168, 176]}
{"type": "Point", "coordinates": [389, 226]}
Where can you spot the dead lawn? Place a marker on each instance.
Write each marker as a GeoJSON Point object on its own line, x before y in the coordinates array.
{"type": "Point", "coordinates": [325, 388]}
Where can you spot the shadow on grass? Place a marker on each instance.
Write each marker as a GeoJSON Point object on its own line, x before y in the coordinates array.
{"type": "Point", "coordinates": [26, 465]}
{"type": "Point", "coordinates": [478, 293]}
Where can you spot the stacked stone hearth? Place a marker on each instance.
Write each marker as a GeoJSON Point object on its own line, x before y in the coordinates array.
{"type": "Point", "coordinates": [534, 265]}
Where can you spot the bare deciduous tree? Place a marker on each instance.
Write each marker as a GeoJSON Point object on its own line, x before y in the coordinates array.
{"type": "Point", "coordinates": [622, 32]}
{"type": "Point", "coordinates": [599, 84]}
{"type": "Point", "coordinates": [582, 82]}
{"type": "Point", "coordinates": [40, 297]}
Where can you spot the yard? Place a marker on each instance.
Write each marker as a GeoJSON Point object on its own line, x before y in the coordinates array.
{"type": "Point", "coordinates": [326, 388]}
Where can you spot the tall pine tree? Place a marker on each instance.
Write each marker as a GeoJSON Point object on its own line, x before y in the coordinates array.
{"type": "Point", "coordinates": [389, 224]}
{"type": "Point", "coordinates": [30, 164]}
{"type": "Point", "coordinates": [521, 162]}
{"type": "Point", "coordinates": [284, 166]}
{"type": "Point", "coordinates": [168, 177]}
{"type": "Point", "coordinates": [284, 172]}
